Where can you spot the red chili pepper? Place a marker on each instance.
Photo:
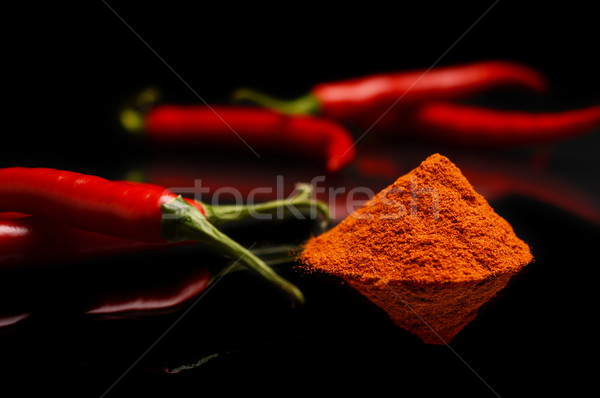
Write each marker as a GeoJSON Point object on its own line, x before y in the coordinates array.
{"type": "Point", "coordinates": [128, 210]}
{"type": "Point", "coordinates": [369, 96]}
{"type": "Point", "coordinates": [152, 300]}
{"type": "Point", "coordinates": [155, 297]}
{"type": "Point", "coordinates": [27, 240]}
{"type": "Point", "coordinates": [124, 209]}
{"type": "Point", "coordinates": [473, 126]}
{"type": "Point", "coordinates": [37, 241]}
{"type": "Point", "coordinates": [262, 130]}
{"type": "Point", "coordinates": [11, 215]}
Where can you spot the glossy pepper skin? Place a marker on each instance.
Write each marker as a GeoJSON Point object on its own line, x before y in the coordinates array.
{"type": "Point", "coordinates": [131, 302]}
{"type": "Point", "coordinates": [32, 243]}
{"type": "Point", "coordinates": [124, 209]}
{"type": "Point", "coordinates": [151, 300]}
{"type": "Point", "coordinates": [37, 241]}
{"type": "Point", "coordinates": [362, 100]}
{"type": "Point", "coordinates": [240, 128]}
{"type": "Point", "coordinates": [472, 126]}
{"type": "Point", "coordinates": [128, 210]}
{"type": "Point", "coordinates": [28, 241]}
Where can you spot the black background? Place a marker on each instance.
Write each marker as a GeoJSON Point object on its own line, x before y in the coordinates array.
{"type": "Point", "coordinates": [67, 69]}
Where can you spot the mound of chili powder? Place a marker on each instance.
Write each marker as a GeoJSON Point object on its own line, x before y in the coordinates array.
{"type": "Point", "coordinates": [428, 250]}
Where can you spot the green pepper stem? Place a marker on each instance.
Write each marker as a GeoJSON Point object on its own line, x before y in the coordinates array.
{"type": "Point", "coordinates": [300, 204]}
{"type": "Point", "coordinates": [305, 105]}
{"type": "Point", "coordinates": [271, 255]}
{"type": "Point", "coordinates": [181, 221]}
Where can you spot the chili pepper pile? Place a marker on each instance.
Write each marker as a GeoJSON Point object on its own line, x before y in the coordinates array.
{"type": "Point", "coordinates": [423, 104]}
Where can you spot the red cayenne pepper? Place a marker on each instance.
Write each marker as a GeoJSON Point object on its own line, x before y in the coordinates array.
{"type": "Point", "coordinates": [34, 241]}
{"type": "Point", "coordinates": [156, 297]}
{"type": "Point", "coordinates": [151, 300]}
{"type": "Point", "coordinates": [261, 129]}
{"type": "Point", "coordinates": [134, 302]}
{"type": "Point", "coordinates": [473, 126]}
{"type": "Point", "coordinates": [365, 98]}
{"type": "Point", "coordinates": [127, 210]}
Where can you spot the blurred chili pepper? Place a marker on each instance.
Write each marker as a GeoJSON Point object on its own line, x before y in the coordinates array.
{"type": "Point", "coordinates": [496, 184]}
{"type": "Point", "coordinates": [495, 179]}
{"type": "Point", "coordinates": [260, 129]}
{"type": "Point", "coordinates": [234, 181]}
{"type": "Point", "coordinates": [471, 126]}
{"type": "Point", "coordinates": [365, 99]}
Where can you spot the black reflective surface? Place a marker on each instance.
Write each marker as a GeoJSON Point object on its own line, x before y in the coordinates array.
{"type": "Point", "coordinates": [69, 72]}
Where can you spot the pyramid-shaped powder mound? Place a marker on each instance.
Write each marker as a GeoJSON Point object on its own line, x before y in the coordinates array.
{"type": "Point", "coordinates": [428, 250]}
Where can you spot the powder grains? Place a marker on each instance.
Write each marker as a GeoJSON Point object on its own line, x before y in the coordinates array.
{"type": "Point", "coordinates": [428, 250]}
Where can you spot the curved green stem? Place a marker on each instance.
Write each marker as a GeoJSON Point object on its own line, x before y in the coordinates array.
{"type": "Point", "coordinates": [132, 114]}
{"type": "Point", "coordinates": [271, 255]}
{"type": "Point", "coordinates": [300, 205]}
{"type": "Point", "coordinates": [181, 221]}
{"type": "Point", "coordinates": [307, 104]}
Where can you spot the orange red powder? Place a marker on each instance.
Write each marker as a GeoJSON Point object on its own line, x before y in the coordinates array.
{"type": "Point", "coordinates": [428, 250]}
